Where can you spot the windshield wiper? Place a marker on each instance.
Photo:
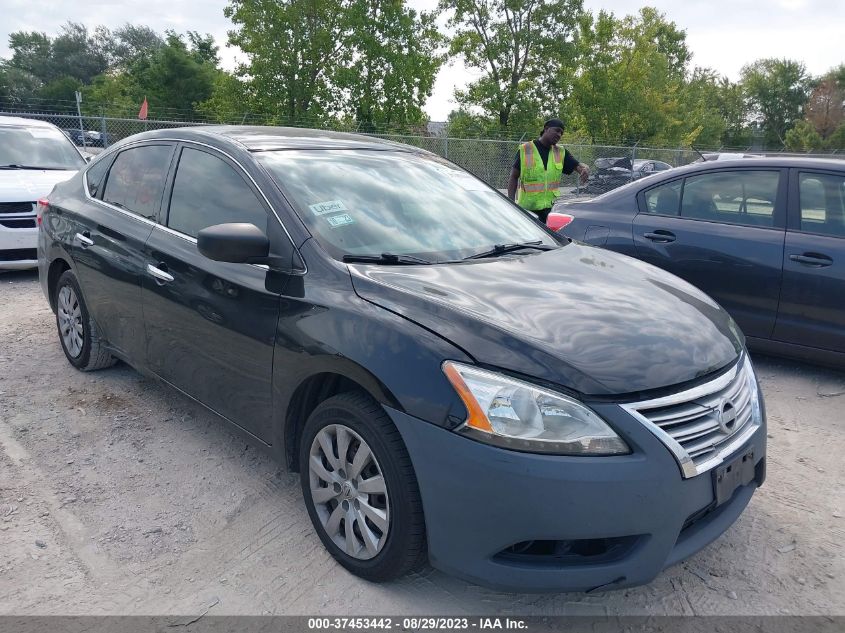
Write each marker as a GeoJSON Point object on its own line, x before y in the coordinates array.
{"type": "Point", "coordinates": [501, 249]}
{"type": "Point", "coordinates": [18, 166]}
{"type": "Point", "coordinates": [385, 258]}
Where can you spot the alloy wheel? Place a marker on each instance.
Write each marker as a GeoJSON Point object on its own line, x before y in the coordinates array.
{"type": "Point", "coordinates": [349, 491]}
{"type": "Point", "coordinates": [70, 321]}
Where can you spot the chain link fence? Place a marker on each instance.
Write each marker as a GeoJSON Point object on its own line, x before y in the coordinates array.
{"type": "Point", "coordinates": [490, 160]}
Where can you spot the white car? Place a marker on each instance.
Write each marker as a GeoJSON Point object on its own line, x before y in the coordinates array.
{"type": "Point", "coordinates": [34, 157]}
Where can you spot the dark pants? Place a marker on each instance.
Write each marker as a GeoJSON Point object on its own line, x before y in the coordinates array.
{"type": "Point", "coordinates": [542, 214]}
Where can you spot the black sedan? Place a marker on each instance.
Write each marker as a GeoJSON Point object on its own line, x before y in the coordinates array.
{"type": "Point", "coordinates": [765, 237]}
{"type": "Point", "coordinates": [386, 324]}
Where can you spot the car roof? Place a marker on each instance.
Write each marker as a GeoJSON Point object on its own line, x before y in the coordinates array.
{"type": "Point", "coordinates": [262, 138]}
{"type": "Point", "coordinates": [777, 162]}
{"type": "Point", "coordinates": [23, 122]}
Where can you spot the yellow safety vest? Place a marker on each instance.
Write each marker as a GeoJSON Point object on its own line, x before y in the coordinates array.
{"type": "Point", "coordinates": [539, 186]}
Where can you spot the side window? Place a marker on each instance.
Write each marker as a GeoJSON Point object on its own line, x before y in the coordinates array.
{"type": "Point", "coordinates": [664, 199]}
{"type": "Point", "coordinates": [822, 199]}
{"type": "Point", "coordinates": [136, 179]}
{"type": "Point", "coordinates": [96, 176]}
{"type": "Point", "coordinates": [733, 197]}
{"type": "Point", "coordinates": [658, 166]}
{"type": "Point", "coordinates": [208, 191]}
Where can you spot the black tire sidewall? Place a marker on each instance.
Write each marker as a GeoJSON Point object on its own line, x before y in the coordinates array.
{"type": "Point", "coordinates": [81, 361]}
{"type": "Point", "coordinates": [402, 490]}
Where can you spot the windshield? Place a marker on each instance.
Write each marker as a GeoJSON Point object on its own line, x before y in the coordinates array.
{"type": "Point", "coordinates": [366, 202]}
{"type": "Point", "coordinates": [37, 147]}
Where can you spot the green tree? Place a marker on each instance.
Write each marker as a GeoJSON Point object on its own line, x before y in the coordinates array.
{"type": "Point", "coordinates": [126, 45]}
{"type": "Point", "coordinates": [32, 54]}
{"type": "Point", "coordinates": [61, 91]}
{"type": "Point", "coordinates": [734, 110]}
{"type": "Point", "coordinates": [17, 86]}
{"type": "Point", "coordinates": [75, 53]}
{"type": "Point", "coordinates": [525, 49]}
{"type": "Point", "coordinates": [630, 83]}
{"type": "Point", "coordinates": [294, 48]}
{"type": "Point", "coordinates": [703, 123]}
{"type": "Point", "coordinates": [802, 137]}
{"type": "Point", "coordinates": [173, 79]}
{"type": "Point", "coordinates": [777, 90]}
{"type": "Point", "coordinates": [394, 61]}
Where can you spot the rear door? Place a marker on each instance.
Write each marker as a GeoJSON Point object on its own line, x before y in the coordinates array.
{"type": "Point", "coordinates": [812, 306]}
{"type": "Point", "coordinates": [723, 231]}
{"type": "Point", "coordinates": [210, 326]}
{"type": "Point", "coordinates": [107, 241]}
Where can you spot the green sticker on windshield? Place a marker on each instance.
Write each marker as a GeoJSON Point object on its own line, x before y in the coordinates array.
{"type": "Point", "coordinates": [330, 206]}
{"type": "Point", "coordinates": [340, 220]}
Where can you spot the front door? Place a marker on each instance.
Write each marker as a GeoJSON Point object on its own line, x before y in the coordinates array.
{"type": "Point", "coordinates": [210, 326]}
{"type": "Point", "coordinates": [723, 232]}
{"type": "Point", "coordinates": [812, 306]}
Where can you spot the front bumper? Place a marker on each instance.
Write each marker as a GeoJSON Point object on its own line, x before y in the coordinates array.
{"type": "Point", "coordinates": [18, 247]}
{"type": "Point", "coordinates": [480, 500]}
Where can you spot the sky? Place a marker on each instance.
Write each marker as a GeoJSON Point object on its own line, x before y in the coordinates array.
{"type": "Point", "coordinates": [722, 34]}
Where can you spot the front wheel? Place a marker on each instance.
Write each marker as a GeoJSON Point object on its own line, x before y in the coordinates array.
{"type": "Point", "coordinates": [360, 488]}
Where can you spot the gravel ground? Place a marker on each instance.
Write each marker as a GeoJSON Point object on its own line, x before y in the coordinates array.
{"type": "Point", "coordinates": [119, 496]}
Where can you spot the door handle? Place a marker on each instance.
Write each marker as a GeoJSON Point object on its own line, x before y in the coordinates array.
{"type": "Point", "coordinates": [160, 276]}
{"type": "Point", "coordinates": [812, 259]}
{"type": "Point", "coordinates": [84, 239]}
{"type": "Point", "coordinates": [660, 236]}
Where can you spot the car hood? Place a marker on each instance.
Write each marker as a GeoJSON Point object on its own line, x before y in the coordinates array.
{"type": "Point", "coordinates": [27, 185]}
{"type": "Point", "coordinates": [588, 319]}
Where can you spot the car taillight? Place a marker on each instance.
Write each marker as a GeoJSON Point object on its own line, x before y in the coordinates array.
{"type": "Point", "coordinates": [556, 221]}
{"type": "Point", "coordinates": [40, 206]}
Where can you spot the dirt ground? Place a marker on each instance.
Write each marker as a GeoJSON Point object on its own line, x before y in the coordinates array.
{"type": "Point", "coordinates": [119, 496]}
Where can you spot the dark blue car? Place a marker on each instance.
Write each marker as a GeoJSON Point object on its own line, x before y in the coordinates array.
{"type": "Point", "coordinates": [765, 237]}
{"type": "Point", "coordinates": [453, 382]}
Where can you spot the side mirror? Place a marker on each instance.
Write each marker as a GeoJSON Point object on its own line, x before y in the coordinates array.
{"type": "Point", "coordinates": [237, 243]}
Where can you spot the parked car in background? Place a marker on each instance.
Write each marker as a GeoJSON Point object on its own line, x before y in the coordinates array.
{"type": "Point", "coordinates": [450, 379]}
{"type": "Point", "coordinates": [34, 156]}
{"type": "Point", "coordinates": [764, 237]}
{"type": "Point", "coordinates": [610, 173]}
{"type": "Point", "coordinates": [708, 156]}
{"type": "Point", "coordinates": [89, 138]}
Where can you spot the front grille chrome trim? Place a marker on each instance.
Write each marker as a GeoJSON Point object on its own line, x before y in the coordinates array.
{"type": "Point", "coordinates": [686, 422]}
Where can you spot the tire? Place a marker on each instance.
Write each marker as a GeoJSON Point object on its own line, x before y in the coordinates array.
{"type": "Point", "coordinates": [387, 537]}
{"type": "Point", "coordinates": [78, 334]}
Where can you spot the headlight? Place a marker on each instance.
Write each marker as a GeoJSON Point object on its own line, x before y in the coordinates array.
{"type": "Point", "coordinates": [520, 416]}
{"type": "Point", "coordinates": [756, 407]}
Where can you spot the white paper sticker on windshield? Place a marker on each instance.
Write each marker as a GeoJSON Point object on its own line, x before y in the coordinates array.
{"type": "Point", "coordinates": [43, 132]}
{"type": "Point", "coordinates": [462, 179]}
{"type": "Point", "coordinates": [331, 206]}
{"type": "Point", "coordinates": [340, 220]}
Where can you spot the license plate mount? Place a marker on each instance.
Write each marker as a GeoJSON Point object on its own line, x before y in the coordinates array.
{"type": "Point", "coordinates": [728, 477]}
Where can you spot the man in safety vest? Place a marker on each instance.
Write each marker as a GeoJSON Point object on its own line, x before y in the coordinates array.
{"type": "Point", "coordinates": [537, 170]}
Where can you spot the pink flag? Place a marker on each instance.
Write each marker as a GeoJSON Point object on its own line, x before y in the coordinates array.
{"type": "Point", "coordinates": [142, 113]}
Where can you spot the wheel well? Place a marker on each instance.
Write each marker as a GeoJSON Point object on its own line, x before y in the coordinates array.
{"type": "Point", "coordinates": [58, 267]}
{"type": "Point", "coordinates": [306, 398]}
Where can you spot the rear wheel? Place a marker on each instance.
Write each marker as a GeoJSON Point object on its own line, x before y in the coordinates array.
{"type": "Point", "coordinates": [360, 488]}
{"type": "Point", "coordinates": [78, 333]}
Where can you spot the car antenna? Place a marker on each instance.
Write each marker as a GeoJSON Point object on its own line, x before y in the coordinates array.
{"type": "Point", "coordinates": [695, 149]}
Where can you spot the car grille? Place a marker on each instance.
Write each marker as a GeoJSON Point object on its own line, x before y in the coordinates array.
{"type": "Point", "coordinates": [703, 425]}
{"type": "Point", "coordinates": [18, 254]}
{"type": "Point", "coordinates": [8, 208]}
{"type": "Point", "coordinates": [26, 223]}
